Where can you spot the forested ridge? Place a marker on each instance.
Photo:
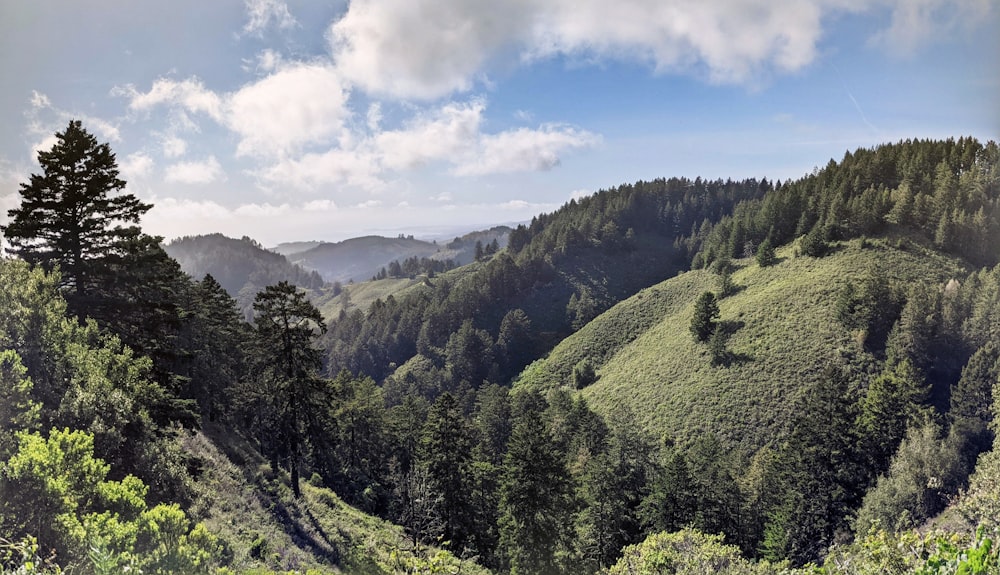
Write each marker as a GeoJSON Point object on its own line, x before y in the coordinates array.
{"type": "Point", "coordinates": [147, 426]}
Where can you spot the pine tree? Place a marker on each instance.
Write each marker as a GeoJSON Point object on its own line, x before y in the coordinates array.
{"type": "Point", "coordinates": [706, 311]}
{"type": "Point", "coordinates": [286, 324]}
{"type": "Point", "coordinates": [69, 216]}
{"type": "Point", "coordinates": [534, 496]}
{"type": "Point", "coordinates": [446, 452]}
{"type": "Point", "coordinates": [765, 254]}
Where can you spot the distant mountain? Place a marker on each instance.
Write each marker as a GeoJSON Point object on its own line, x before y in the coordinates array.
{"type": "Point", "coordinates": [289, 248]}
{"type": "Point", "coordinates": [243, 267]}
{"type": "Point", "coordinates": [360, 259]}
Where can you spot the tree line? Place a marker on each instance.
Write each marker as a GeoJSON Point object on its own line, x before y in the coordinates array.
{"type": "Point", "coordinates": [405, 409]}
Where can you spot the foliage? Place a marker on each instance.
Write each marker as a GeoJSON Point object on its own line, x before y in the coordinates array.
{"type": "Point", "coordinates": [286, 323]}
{"type": "Point", "coordinates": [686, 552]}
{"type": "Point", "coordinates": [706, 311]}
{"type": "Point", "coordinates": [68, 217]}
{"type": "Point", "coordinates": [54, 488]}
{"type": "Point", "coordinates": [241, 266]}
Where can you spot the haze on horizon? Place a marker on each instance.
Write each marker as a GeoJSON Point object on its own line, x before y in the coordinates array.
{"type": "Point", "coordinates": [294, 120]}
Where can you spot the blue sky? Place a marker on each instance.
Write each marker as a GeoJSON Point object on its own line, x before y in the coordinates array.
{"type": "Point", "coordinates": [295, 120]}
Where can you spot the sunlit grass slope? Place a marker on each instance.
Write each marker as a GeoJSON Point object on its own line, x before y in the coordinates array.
{"type": "Point", "coordinates": [784, 333]}
{"type": "Point", "coordinates": [239, 498]}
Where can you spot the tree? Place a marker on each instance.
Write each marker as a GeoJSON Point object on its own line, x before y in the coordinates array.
{"type": "Point", "coordinates": [706, 311]}
{"type": "Point", "coordinates": [286, 324]}
{"type": "Point", "coordinates": [446, 451]}
{"type": "Point", "coordinates": [69, 218]}
{"type": "Point", "coordinates": [534, 496]}
{"type": "Point", "coordinates": [814, 243]}
{"type": "Point", "coordinates": [765, 254]}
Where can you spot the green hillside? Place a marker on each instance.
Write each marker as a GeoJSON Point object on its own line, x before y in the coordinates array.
{"type": "Point", "coordinates": [240, 499]}
{"type": "Point", "coordinates": [784, 332]}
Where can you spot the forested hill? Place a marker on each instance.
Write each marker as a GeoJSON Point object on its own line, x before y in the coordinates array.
{"type": "Point", "coordinates": [242, 266]}
{"type": "Point", "coordinates": [807, 368]}
{"type": "Point", "coordinates": [360, 259]}
{"type": "Point", "coordinates": [555, 275]}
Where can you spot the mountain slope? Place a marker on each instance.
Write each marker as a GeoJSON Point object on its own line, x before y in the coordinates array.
{"type": "Point", "coordinates": [241, 499]}
{"type": "Point", "coordinates": [360, 259]}
{"type": "Point", "coordinates": [783, 333]}
{"type": "Point", "coordinates": [243, 267]}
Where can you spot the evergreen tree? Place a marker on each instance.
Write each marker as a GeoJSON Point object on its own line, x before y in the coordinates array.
{"type": "Point", "coordinates": [286, 324]}
{"type": "Point", "coordinates": [70, 216]}
{"type": "Point", "coordinates": [706, 311]}
{"type": "Point", "coordinates": [446, 453]}
{"type": "Point", "coordinates": [534, 496]}
{"type": "Point", "coordinates": [615, 483]}
{"type": "Point", "coordinates": [821, 474]}
{"type": "Point", "coordinates": [765, 253]}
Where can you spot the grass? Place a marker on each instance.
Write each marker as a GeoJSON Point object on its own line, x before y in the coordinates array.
{"type": "Point", "coordinates": [783, 333]}
{"type": "Point", "coordinates": [240, 499]}
{"type": "Point", "coordinates": [362, 295]}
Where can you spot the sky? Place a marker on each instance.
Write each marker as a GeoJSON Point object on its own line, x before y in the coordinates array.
{"type": "Point", "coordinates": [288, 120]}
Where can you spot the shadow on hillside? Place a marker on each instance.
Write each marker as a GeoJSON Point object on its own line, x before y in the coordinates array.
{"type": "Point", "coordinates": [320, 547]}
{"type": "Point", "coordinates": [723, 357]}
{"type": "Point", "coordinates": [297, 520]}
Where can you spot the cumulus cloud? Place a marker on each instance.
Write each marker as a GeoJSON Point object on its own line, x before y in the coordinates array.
{"type": "Point", "coordinates": [262, 13]}
{"type": "Point", "coordinates": [916, 22]}
{"type": "Point", "coordinates": [174, 147]}
{"type": "Point", "coordinates": [297, 105]}
{"type": "Point", "coordinates": [180, 209]}
{"type": "Point", "coordinates": [203, 172]}
{"type": "Point", "coordinates": [138, 165]}
{"type": "Point", "coordinates": [262, 210]}
{"type": "Point", "coordinates": [426, 49]}
{"type": "Point", "coordinates": [447, 133]}
{"type": "Point", "coordinates": [423, 48]}
{"type": "Point", "coordinates": [523, 150]}
{"type": "Point", "coordinates": [451, 135]}
{"type": "Point", "coordinates": [335, 166]}
{"type": "Point", "coordinates": [190, 94]}
{"type": "Point", "coordinates": [319, 206]}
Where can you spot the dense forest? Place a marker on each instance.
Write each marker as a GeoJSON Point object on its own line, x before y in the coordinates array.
{"type": "Point", "coordinates": [460, 411]}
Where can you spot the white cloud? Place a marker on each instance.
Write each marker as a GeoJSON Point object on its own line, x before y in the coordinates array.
{"type": "Point", "coordinates": [524, 150]}
{"type": "Point", "coordinates": [39, 100]}
{"type": "Point", "coordinates": [427, 49]}
{"type": "Point", "coordinates": [448, 133]}
{"type": "Point", "coordinates": [297, 105]}
{"type": "Point", "coordinates": [174, 147]}
{"type": "Point", "coordinates": [44, 145]}
{"type": "Point", "coordinates": [422, 48]}
{"type": "Point", "coordinates": [374, 117]}
{"type": "Point", "coordinates": [579, 194]}
{"type": "Point", "coordinates": [203, 172]}
{"type": "Point", "coordinates": [182, 209]}
{"type": "Point", "coordinates": [319, 206]}
{"type": "Point", "coordinates": [261, 13]}
{"type": "Point", "coordinates": [189, 94]}
{"type": "Point", "coordinates": [262, 210]}
{"type": "Point", "coordinates": [334, 166]}
{"type": "Point", "coordinates": [515, 205]}
{"type": "Point", "coordinates": [268, 60]}
{"type": "Point", "coordinates": [138, 166]}
{"type": "Point", "coordinates": [430, 48]}
{"type": "Point", "coordinates": [369, 204]}
{"type": "Point", "coordinates": [916, 22]}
